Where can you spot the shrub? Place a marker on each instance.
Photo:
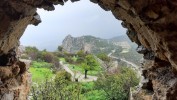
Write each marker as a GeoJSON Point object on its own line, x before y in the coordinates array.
{"type": "Point", "coordinates": [46, 56]}
{"type": "Point", "coordinates": [32, 52]}
{"type": "Point", "coordinates": [59, 89]}
{"type": "Point", "coordinates": [24, 56]}
{"type": "Point", "coordinates": [59, 54]}
{"type": "Point", "coordinates": [81, 53]}
{"type": "Point", "coordinates": [80, 60]}
{"type": "Point", "coordinates": [116, 86]}
{"type": "Point", "coordinates": [62, 75]}
{"type": "Point", "coordinates": [68, 59]}
{"type": "Point", "coordinates": [56, 63]}
{"type": "Point", "coordinates": [103, 57]}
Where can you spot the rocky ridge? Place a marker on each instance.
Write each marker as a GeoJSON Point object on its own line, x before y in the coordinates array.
{"type": "Point", "coordinates": [90, 44]}
{"type": "Point", "coordinates": [150, 23]}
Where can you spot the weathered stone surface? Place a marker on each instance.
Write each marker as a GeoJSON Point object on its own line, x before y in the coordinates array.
{"type": "Point", "coordinates": [153, 21]}
{"type": "Point", "coordinates": [14, 82]}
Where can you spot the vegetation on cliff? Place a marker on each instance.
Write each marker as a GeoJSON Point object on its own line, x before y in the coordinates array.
{"type": "Point", "coordinates": [90, 44]}
{"type": "Point", "coordinates": [50, 83]}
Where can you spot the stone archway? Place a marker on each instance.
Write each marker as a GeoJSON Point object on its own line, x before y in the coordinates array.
{"type": "Point", "coordinates": [151, 24]}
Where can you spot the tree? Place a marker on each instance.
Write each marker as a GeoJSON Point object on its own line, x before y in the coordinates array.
{"type": "Point", "coordinates": [69, 60]}
{"type": "Point", "coordinates": [80, 57]}
{"type": "Point", "coordinates": [106, 60]}
{"type": "Point", "coordinates": [62, 77]}
{"type": "Point", "coordinates": [103, 57]}
{"type": "Point", "coordinates": [81, 53]}
{"type": "Point", "coordinates": [46, 56]}
{"type": "Point", "coordinates": [32, 52]}
{"type": "Point", "coordinates": [117, 85]}
{"type": "Point", "coordinates": [90, 63]}
{"type": "Point", "coordinates": [56, 64]}
{"type": "Point", "coordinates": [60, 48]}
{"type": "Point", "coordinates": [86, 68]}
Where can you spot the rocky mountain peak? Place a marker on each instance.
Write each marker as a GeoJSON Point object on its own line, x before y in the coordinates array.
{"type": "Point", "coordinates": [71, 44]}
{"type": "Point", "coordinates": [69, 36]}
{"type": "Point", "coordinates": [89, 44]}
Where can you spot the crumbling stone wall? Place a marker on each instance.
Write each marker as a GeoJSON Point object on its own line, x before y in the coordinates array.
{"type": "Point", "coordinates": [150, 23]}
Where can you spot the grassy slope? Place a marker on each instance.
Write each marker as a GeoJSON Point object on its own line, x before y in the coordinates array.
{"type": "Point", "coordinates": [40, 74]}
{"type": "Point", "coordinates": [89, 93]}
{"type": "Point", "coordinates": [40, 71]}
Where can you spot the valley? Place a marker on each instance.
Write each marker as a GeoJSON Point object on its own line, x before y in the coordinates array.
{"type": "Point", "coordinates": [83, 69]}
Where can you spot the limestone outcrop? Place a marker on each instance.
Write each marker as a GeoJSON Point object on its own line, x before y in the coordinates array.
{"type": "Point", "coordinates": [14, 78]}
{"type": "Point", "coordinates": [94, 45]}
{"type": "Point", "coordinates": [150, 23]}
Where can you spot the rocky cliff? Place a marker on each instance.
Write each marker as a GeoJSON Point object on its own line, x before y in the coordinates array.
{"type": "Point", "coordinates": [150, 23]}
{"type": "Point", "coordinates": [90, 44]}
{"type": "Point", "coordinates": [72, 45]}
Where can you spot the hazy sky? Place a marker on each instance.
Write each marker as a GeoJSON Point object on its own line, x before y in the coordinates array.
{"type": "Point", "coordinates": [77, 19]}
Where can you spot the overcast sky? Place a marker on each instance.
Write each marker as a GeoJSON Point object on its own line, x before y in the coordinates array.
{"type": "Point", "coordinates": [77, 19]}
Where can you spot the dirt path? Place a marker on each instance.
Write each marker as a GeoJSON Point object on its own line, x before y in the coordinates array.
{"type": "Point", "coordinates": [78, 74]}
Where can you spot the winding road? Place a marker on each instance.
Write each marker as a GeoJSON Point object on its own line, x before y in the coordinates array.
{"type": "Point", "coordinates": [81, 76]}
{"type": "Point", "coordinates": [134, 67]}
{"type": "Point", "coordinates": [124, 60]}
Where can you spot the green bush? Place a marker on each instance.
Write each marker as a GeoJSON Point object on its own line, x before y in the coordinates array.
{"type": "Point", "coordinates": [59, 54]}
{"type": "Point", "coordinates": [32, 52]}
{"type": "Point", "coordinates": [103, 57]}
{"type": "Point", "coordinates": [86, 87]}
{"type": "Point", "coordinates": [95, 95]}
{"type": "Point", "coordinates": [69, 59]}
{"type": "Point", "coordinates": [62, 75]}
{"type": "Point", "coordinates": [46, 56]}
{"type": "Point", "coordinates": [79, 60]}
{"type": "Point", "coordinates": [24, 56]}
{"type": "Point", "coordinates": [116, 86]}
{"type": "Point", "coordinates": [59, 89]}
{"type": "Point", "coordinates": [90, 93]}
